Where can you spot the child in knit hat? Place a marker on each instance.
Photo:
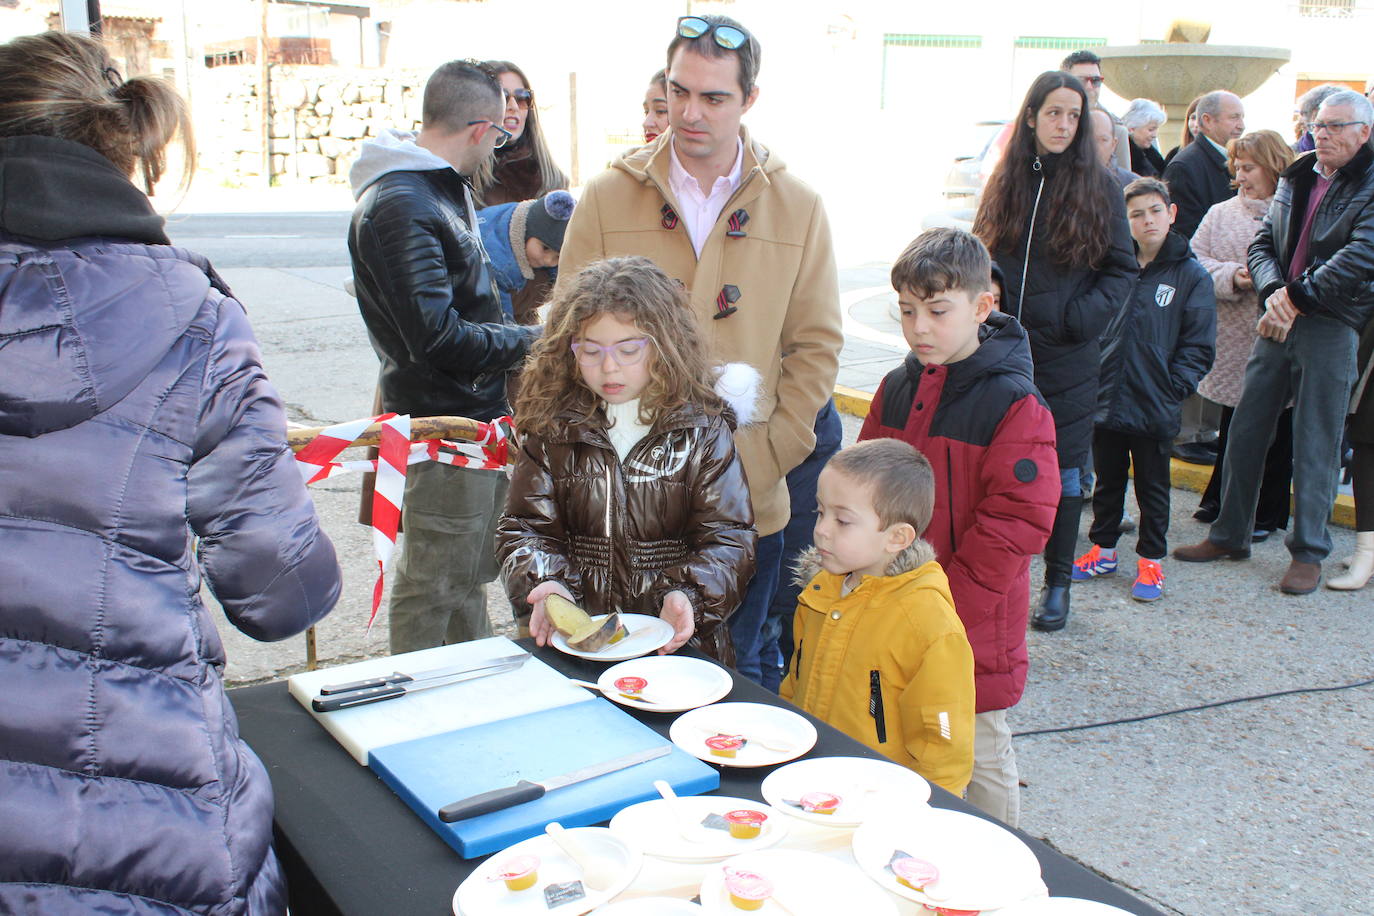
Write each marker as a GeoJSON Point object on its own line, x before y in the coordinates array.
{"type": "Point", "coordinates": [521, 238]}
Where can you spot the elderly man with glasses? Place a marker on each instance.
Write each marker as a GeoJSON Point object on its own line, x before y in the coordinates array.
{"type": "Point", "coordinates": [720, 212]}
{"type": "Point", "coordinates": [427, 296]}
{"type": "Point", "coordinates": [1312, 263]}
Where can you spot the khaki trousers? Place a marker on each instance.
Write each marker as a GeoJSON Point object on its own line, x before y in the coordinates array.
{"type": "Point", "coordinates": [996, 785]}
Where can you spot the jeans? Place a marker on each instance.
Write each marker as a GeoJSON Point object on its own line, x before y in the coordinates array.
{"type": "Point", "coordinates": [746, 624]}
{"type": "Point", "coordinates": [801, 489]}
{"type": "Point", "coordinates": [1113, 454]}
{"type": "Point", "coordinates": [1315, 367]}
{"type": "Point", "coordinates": [758, 626]}
{"type": "Point", "coordinates": [1271, 513]}
{"type": "Point", "coordinates": [448, 554]}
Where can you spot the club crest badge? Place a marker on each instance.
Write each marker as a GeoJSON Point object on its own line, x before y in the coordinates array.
{"type": "Point", "coordinates": [1164, 294]}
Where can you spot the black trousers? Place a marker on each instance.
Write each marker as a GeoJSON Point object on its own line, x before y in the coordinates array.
{"type": "Point", "coordinates": [1276, 486]}
{"type": "Point", "coordinates": [1113, 455]}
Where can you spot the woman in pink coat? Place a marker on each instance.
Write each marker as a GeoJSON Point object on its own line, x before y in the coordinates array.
{"type": "Point", "coordinates": [1220, 243]}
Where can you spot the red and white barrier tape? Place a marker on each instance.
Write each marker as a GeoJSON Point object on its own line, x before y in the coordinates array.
{"type": "Point", "coordinates": [316, 462]}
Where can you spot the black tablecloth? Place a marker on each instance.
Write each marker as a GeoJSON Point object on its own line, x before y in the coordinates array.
{"type": "Point", "coordinates": [349, 845]}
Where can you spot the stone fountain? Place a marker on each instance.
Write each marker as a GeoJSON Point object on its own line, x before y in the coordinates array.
{"type": "Point", "coordinates": [1184, 67]}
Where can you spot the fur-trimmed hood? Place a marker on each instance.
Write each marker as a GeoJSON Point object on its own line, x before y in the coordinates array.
{"type": "Point", "coordinates": [914, 557]}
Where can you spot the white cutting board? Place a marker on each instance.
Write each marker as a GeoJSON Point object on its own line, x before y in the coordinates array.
{"type": "Point", "coordinates": [532, 687]}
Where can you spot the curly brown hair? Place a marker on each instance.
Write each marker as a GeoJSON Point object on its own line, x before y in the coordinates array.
{"type": "Point", "coordinates": [633, 289]}
{"type": "Point", "coordinates": [1077, 203]}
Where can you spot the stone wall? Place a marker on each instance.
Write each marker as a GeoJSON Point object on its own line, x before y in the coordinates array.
{"type": "Point", "coordinates": [320, 116]}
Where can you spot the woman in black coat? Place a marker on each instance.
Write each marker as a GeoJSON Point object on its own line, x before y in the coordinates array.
{"type": "Point", "coordinates": [1055, 222]}
{"type": "Point", "coordinates": [1142, 122]}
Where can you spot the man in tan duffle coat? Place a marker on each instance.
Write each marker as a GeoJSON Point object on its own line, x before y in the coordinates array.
{"type": "Point", "coordinates": [719, 211]}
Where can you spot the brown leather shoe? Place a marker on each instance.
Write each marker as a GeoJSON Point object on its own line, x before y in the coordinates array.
{"type": "Point", "coordinates": [1301, 579]}
{"type": "Point", "coordinates": [1206, 552]}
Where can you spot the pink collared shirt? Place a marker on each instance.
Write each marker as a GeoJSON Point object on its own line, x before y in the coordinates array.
{"type": "Point", "coordinates": [700, 211]}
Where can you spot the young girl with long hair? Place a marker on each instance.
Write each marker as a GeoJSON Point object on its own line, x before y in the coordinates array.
{"type": "Point", "coordinates": [1055, 223]}
{"type": "Point", "coordinates": [627, 493]}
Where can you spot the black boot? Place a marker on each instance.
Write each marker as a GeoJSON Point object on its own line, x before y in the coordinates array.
{"type": "Point", "coordinates": [1053, 610]}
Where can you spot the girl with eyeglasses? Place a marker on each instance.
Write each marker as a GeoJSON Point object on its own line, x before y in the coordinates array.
{"type": "Point", "coordinates": [627, 494]}
{"type": "Point", "coordinates": [1055, 223]}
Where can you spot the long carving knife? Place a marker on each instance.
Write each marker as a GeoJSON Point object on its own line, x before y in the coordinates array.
{"type": "Point", "coordinates": [526, 791]}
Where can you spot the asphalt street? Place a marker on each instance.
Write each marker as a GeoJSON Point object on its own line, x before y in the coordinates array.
{"type": "Point", "coordinates": [1259, 807]}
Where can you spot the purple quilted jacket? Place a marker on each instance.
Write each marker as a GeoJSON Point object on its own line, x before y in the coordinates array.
{"type": "Point", "coordinates": [135, 418]}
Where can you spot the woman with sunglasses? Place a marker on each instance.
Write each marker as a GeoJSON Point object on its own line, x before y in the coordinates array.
{"type": "Point", "coordinates": [627, 493]}
{"type": "Point", "coordinates": [521, 169]}
{"type": "Point", "coordinates": [1055, 223]}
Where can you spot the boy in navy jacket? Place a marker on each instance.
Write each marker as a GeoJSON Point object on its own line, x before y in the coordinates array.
{"type": "Point", "coordinates": [1155, 351]}
{"type": "Point", "coordinates": [965, 398]}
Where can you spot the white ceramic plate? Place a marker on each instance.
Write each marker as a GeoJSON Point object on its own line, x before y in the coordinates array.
{"type": "Point", "coordinates": [864, 786]}
{"type": "Point", "coordinates": [675, 683]}
{"type": "Point", "coordinates": [651, 906]}
{"type": "Point", "coordinates": [479, 896]}
{"type": "Point", "coordinates": [646, 633]}
{"type": "Point", "coordinates": [1061, 906]}
{"type": "Point", "coordinates": [807, 883]}
{"type": "Point", "coordinates": [789, 734]}
{"type": "Point", "coordinates": [983, 866]}
{"type": "Point", "coordinates": [651, 827]}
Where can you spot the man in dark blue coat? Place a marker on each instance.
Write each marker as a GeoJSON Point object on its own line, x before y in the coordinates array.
{"type": "Point", "coordinates": [1197, 177]}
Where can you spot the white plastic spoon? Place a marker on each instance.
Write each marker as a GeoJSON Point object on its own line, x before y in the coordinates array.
{"type": "Point", "coordinates": [689, 831]}
{"type": "Point", "coordinates": [595, 873]}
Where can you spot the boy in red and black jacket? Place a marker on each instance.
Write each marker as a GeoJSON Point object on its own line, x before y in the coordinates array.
{"type": "Point", "coordinates": [965, 398]}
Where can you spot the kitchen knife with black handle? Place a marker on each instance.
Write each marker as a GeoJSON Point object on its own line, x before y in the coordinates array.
{"type": "Point", "coordinates": [526, 791]}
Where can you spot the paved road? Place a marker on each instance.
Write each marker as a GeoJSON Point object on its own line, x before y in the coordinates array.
{"type": "Point", "coordinates": [1255, 808]}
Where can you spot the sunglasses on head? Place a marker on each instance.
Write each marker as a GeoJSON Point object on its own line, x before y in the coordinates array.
{"type": "Point", "coordinates": [523, 97]}
{"type": "Point", "coordinates": [729, 37]}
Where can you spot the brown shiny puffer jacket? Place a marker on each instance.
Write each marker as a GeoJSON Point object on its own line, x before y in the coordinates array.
{"type": "Point", "coordinates": [675, 515]}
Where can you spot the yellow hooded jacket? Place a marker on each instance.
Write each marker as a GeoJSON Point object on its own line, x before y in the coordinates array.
{"type": "Point", "coordinates": [888, 664]}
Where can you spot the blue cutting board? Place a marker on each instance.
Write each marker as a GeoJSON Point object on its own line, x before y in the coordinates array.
{"type": "Point", "coordinates": [428, 773]}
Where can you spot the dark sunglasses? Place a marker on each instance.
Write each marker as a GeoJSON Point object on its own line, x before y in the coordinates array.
{"type": "Point", "coordinates": [727, 36]}
{"type": "Point", "coordinates": [523, 97]}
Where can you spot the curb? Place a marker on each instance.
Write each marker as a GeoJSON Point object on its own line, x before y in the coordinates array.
{"type": "Point", "coordinates": [1182, 474]}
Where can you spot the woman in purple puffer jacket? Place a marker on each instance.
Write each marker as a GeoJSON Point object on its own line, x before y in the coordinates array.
{"type": "Point", "coordinates": [134, 418]}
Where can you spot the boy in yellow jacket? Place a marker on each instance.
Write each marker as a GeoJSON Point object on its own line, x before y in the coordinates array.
{"type": "Point", "coordinates": [879, 652]}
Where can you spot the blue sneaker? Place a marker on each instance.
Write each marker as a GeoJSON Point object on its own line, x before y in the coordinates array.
{"type": "Point", "coordinates": [1149, 581]}
{"type": "Point", "coordinates": [1092, 564]}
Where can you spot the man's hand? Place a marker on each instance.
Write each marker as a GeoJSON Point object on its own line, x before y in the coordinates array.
{"type": "Point", "coordinates": [677, 610]}
{"type": "Point", "coordinates": [1281, 307]}
{"type": "Point", "coordinates": [1271, 328]}
{"type": "Point", "coordinates": [540, 628]}
{"type": "Point", "coordinates": [1242, 280]}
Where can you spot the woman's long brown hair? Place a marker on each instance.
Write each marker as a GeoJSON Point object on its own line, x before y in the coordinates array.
{"type": "Point", "coordinates": [551, 177]}
{"type": "Point", "coordinates": [633, 289]}
{"type": "Point", "coordinates": [1076, 204]}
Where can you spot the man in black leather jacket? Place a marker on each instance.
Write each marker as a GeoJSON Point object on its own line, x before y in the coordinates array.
{"type": "Point", "coordinates": [432, 310]}
{"type": "Point", "coordinates": [1313, 265]}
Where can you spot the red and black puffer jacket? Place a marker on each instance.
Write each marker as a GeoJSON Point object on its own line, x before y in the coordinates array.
{"type": "Point", "coordinates": [990, 439]}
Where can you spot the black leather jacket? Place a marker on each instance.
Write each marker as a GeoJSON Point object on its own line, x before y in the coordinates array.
{"type": "Point", "coordinates": [427, 297]}
{"type": "Point", "coordinates": [1339, 280]}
